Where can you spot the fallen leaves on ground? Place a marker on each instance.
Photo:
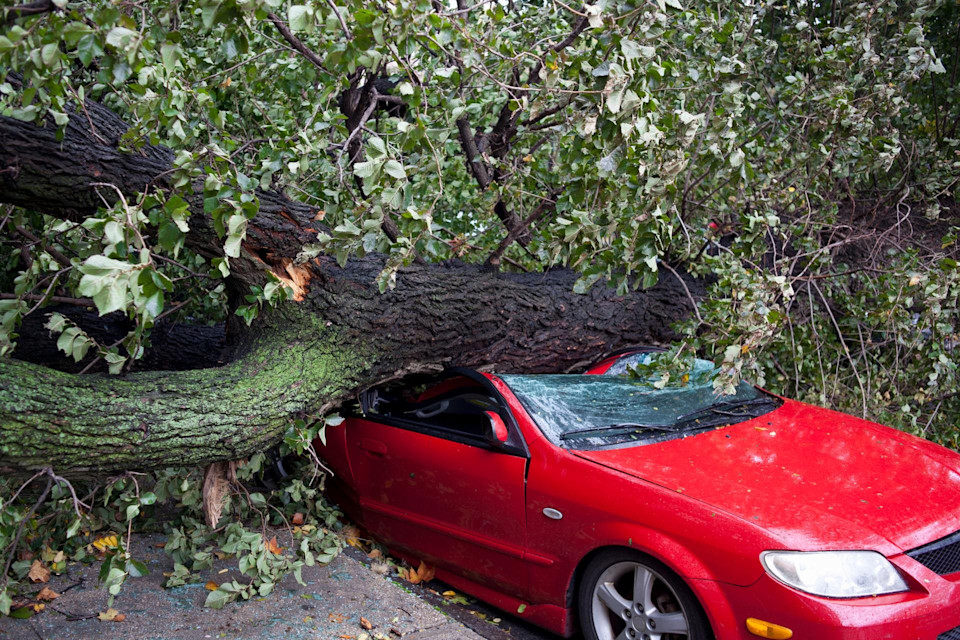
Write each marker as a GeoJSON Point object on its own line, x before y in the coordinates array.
{"type": "Point", "coordinates": [22, 613]}
{"type": "Point", "coordinates": [424, 573]}
{"type": "Point", "coordinates": [352, 535]}
{"type": "Point", "coordinates": [104, 543]}
{"type": "Point", "coordinates": [457, 598]}
{"type": "Point", "coordinates": [374, 554]}
{"type": "Point", "coordinates": [273, 547]}
{"type": "Point", "coordinates": [38, 572]}
{"type": "Point", "coordinates": [366, 624]}
{"type": "Point", "coordinates": [297, 518]}
{"type": "Point", "coordinates": [50, 556]}
{"type": "Point", "coordinates": [47, 594]}
{"type": "Point", "coordinates": [111, 615]}
{"type": "Point", "coordinates": [336, 618]}
{"type": "Point", "coordinates": [211, 586]}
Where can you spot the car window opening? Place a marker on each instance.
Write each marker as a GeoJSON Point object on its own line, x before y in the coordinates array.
{"type": "Point", "coordinates": [456, 405]}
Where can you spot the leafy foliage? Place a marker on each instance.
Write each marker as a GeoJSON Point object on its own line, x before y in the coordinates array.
{"type": "Point", "coordinates": [803, 157]}
{"type": "Point", "coordinates": [635, 124]}
{"type": "Point", "coordinates": [50, 532]}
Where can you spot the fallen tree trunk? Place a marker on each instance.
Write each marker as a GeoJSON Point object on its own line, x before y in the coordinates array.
{"type": "Point", "coordinates": [298, 361]}
{"type": "Point", "coordinates": [308, 357]}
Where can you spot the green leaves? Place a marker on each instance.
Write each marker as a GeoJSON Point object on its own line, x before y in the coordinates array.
{"type": "Point", "coordinates": [300, 17]}
{"type": "Point", "coordinates": [5, 601]}
{"type": "Point", "coordinates": [236, 230]}
{"type": "Point", "coordinates": [105, 280]}
{"type": "Point", "coordinates": [642, 130]}
{"type": "Point", "coordinates": [394, 169]}
{"type": "Point", "coordinates": [170, 54]}
{"type": "Point", "coordinates": [122, 37]}
{"type": "Point", "coordinates": [88, 49]}
{"type": "Point", "coordinates": [74, 342]}
{"type": "Point", "coordinates": [223, 595]}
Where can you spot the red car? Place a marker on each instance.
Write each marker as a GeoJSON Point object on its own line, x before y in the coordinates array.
{"type": "Point", "coordinates": [599, 502]}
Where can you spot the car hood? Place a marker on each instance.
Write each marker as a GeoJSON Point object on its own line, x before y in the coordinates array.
{"type": "Point", "coordinates": [813, 478]}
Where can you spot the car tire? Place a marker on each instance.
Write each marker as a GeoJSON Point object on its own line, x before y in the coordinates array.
{"type": "Point", "coordinates": [665, 608]}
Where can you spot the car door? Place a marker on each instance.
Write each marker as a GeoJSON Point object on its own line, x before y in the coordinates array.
{"type": "Point", "coordinates": [442, 494]}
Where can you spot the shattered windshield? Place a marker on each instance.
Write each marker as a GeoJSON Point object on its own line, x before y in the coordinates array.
{"type": "Point", "coordinates": [591, 411]}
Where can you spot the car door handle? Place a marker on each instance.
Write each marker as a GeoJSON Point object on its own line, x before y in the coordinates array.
{"type": "Point", "coordinates": [375, 447]}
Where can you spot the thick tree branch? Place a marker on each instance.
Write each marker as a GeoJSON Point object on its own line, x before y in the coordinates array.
{"type": "Point", "coordinates": [29, 9]}
{"type": "Point", "coordinates": [79, 302]}
{"type": "Point", "coordinates": [40, 172]}
{"type": "Point", "coordinates": [474, 161]}
{"type": "Point", "coordinates": [543, 208]}
{"type": "Point", "coordinates": [299, 361]}
{"type": "Point", "coordinates": [578, 28]}
{"type": "Point", "coordinates": [484, 178]}
{"type": "Point", "coordinates": [307, 357]}
{"type": "Point", "coordinates": [499, 141]}
{"type": "Point", "coordinates": [353, 125]}
{"type": "Point", "coordinates": [382, 97]}
{"type": "Point", "coordinates": [295, 42]}
{"type": "Point", "coordinates": [462, 9]}
{"type": "Point", "coordinates": [343, 23]}
{"type": "Point", "coordinates": [546, 113]}
{"type": "Point", "coordinates": [59, 257]}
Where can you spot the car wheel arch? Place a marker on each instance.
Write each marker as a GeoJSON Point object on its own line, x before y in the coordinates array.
{"type": "Point", "coordinates": [577, 575]}
{"type": "Point", "coordinates": [576, 580]}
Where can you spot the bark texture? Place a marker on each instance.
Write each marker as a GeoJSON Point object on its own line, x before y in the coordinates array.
{"type": "Point", "coordinates": [299, 361]}
{"type": "Point", "coordinates": [310, 356]}
{"type": "Point", "coordinates": [173, 346]}
{"type": "Point", "coordinates": [58, 176]}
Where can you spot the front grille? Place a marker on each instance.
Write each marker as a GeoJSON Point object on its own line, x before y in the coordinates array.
{"type": "Point", "coordinates": [941, 556]}
{"type": "Point", "coordinates": [953, 634]}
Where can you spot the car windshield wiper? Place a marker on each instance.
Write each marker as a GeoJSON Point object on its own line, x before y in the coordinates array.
{"type": "Point", "coordinates": [614, 429]}
{"type": "Point", "coordinates": [726, 408]}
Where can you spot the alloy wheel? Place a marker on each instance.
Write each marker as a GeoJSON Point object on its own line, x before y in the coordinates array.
{"type": "Point", "coordinates": [631, 601]}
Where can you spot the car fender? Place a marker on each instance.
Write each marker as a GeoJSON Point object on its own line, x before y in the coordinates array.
{"type": "Point", "coordinates": [673, 553]}
{"type": "Point", "coordinates": [670, 551]}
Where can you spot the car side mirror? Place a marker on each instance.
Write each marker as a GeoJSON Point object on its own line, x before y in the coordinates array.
{"type": "Point", "coordinates": [497, 433]}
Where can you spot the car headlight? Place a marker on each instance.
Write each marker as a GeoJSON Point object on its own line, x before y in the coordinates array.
{"type": "Point", "coordinates": [834, 574]}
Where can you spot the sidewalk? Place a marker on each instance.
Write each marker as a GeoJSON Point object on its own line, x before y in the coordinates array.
{"type": "Point", "coordinates": [329, 607]}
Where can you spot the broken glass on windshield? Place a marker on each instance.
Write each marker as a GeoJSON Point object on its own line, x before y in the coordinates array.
{"type": "Point", "coordinates": [587, 411]}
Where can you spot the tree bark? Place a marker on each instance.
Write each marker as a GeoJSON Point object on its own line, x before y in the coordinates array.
{"type": "Point", "coordinates": [173, 346]}
{"type": "Point", "coordinates": [299, 361]}
{"type": "Point", "coordinates": [57, 177]}
{"type": "Point", "coordinates": [308, 357]}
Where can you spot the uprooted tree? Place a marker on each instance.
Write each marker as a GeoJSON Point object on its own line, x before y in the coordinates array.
{"type": "Point", "coordinates": [367, 189]}
{"type": "Point", "coordinates": [335, 336]}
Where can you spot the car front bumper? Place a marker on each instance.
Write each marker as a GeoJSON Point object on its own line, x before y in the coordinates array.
{"type": "Point", "coordinates": [929, 611]}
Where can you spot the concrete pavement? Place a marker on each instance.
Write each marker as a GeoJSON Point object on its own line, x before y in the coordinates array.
{"type": "Point", "coordinates": [329, 607]}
